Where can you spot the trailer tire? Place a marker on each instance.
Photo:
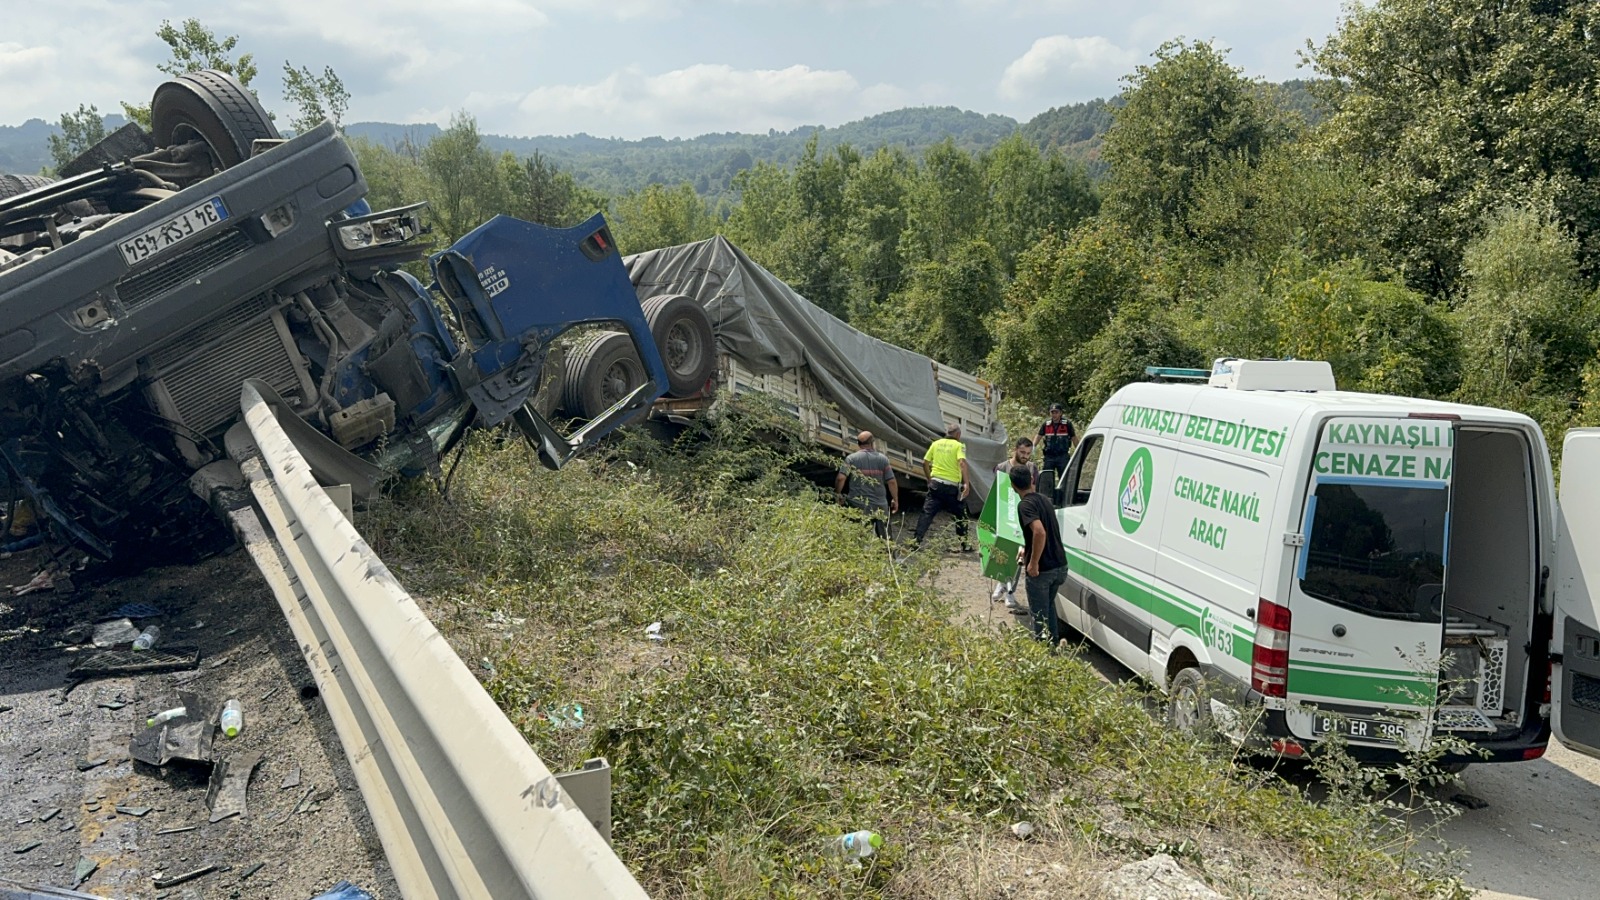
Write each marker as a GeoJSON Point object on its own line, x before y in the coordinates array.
{"type": "Point", "coordinates": [603, 369]}
{"type": "Point", "coordinates": [682, 333]}
{"type": "Point", "coordinates": [12, 185]}
{"type": "Point", "coordinates": [1189, 702]}
{"type": "Point", "coordinates": [213, 106]}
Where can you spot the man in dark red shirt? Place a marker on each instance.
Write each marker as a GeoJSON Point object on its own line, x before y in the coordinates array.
{"type": "Point", "coordinates": [1056, 438]}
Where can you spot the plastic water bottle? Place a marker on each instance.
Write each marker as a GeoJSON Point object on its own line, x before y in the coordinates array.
{"type": "Point", "coordinates": [232, 718]}
{"type": "Point", "coordinates": [166, 716]}
{"type": "Point", "coordinates": [147, 638]}
{"type": "Point", "coordinates": [856, 846]}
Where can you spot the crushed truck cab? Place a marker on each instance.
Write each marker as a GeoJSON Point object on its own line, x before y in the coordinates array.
{"type": "Point", "coordinates": [140, 292]}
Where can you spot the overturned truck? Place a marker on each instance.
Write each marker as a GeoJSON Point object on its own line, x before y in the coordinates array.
{"type": "Point", "coordinates": [167, 267]}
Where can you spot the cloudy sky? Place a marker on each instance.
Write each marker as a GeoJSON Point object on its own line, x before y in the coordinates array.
{"type": "Point", "coordinates": [636, 68]}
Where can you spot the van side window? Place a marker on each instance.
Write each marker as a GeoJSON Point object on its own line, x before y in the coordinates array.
{"type": "Point", "coordinates": [1377, 548]}
{"type": "Point", "coordinates": [1081, 472]}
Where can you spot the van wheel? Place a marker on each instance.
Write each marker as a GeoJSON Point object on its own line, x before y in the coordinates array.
{"type": "Point", "coordinates": [1189, 702]}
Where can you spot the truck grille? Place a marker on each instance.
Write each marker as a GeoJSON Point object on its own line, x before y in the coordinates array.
{"type": "Point", "coordinates": [202, 369]}
{"type": "Point", "coordinates": [138, 288]}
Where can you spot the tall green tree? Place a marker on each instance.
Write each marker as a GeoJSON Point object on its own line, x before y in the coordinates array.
{"type": "Point", "coordinates": [463, 177]}
{"type": "Point", "coordinates": [766, 208]}
{"type": "Point", "coordinates": [1030, 193]}
{"type": "Point", "coordinates": [540, 191]}
{"type": "Point", "coordinates": [874, 222]}
{"type": "Point", "coordinates": [317, 97]}
{"type": "Point", "coordinates": [79, 131]}
{"type": "Point", "coordinates": [660, 216]}
{"type": "Point", "coordinates": [1461, 106]}
{"type": "Point", "coordinates": [194, 46]}
{"type": "Point", "coordinates": [949, 303]}
{"type": "Point", "coordinates": [1185, 113]}
{"type": "Point", "coordinates": [944, 205]}
{"type": "Point", "coordinates": [1067, 288]}
{"type": "Point", "coordinates": [1528, 322]}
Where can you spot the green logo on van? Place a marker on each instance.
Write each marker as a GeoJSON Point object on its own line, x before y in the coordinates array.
{"type": "Point", "coordinates": [1134, 497]}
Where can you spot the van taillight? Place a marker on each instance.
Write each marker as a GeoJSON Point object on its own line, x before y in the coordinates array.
{"type": "Point", "coordinates": [1269, 662]}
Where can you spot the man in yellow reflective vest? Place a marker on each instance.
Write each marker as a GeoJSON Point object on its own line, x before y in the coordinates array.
{"type": "Point", "coordinates": [949, 480]}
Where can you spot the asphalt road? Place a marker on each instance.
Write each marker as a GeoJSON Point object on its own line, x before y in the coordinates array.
{"type": "Point", "coordinates": [1539, 837]}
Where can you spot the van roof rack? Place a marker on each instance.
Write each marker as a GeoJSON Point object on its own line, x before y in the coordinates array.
{"type": "Point", "coordinates": [1173, 373]}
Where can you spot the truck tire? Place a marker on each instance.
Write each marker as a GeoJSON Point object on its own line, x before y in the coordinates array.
{"type": "Point", "coordinates": [602, 369]}
{"type": "Point", "coordinates": [682, 333]}
{"type": "Point", "coordinates": [1189, 702]}
{"type": "Point", "coordinates": [214, 107]}
{"type": "Point", "coordinates": [12, 185]}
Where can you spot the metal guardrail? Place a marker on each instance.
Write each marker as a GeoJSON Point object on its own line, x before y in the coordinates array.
{"type": "Point", "coordinates": [464, 807]}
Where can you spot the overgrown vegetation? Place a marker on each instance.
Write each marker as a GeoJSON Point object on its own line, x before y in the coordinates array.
{"type": "Point", "coordinates": [808, 687]}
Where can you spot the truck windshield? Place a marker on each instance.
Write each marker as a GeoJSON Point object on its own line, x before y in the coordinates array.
{"type": "Point", "coordinates": [1378, 548]}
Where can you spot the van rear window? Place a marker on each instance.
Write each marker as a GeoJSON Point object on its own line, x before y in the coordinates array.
{"type": "Point", "coordinates": [1377, 548]}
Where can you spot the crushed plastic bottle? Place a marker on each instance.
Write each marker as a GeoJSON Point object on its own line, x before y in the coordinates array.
{"type": "Point", "coordinates": [166, 716]}
{"type": "Point", "coordinates": [232, 718]}
{"type": "Point", "coordinates": [147, 638]}
{"type": "Point", "coordinates": [855, 846]}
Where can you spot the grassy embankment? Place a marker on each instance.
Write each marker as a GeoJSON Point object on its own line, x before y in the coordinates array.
{"type": "Point", "coordinates": [808, 687]}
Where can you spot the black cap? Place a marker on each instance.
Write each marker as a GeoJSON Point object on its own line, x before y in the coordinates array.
{"type": "Point", "coordinates": [1055, 407]}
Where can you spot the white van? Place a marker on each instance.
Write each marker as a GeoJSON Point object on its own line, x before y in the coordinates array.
{"type": "Point", "coordinates": [1274, 552]}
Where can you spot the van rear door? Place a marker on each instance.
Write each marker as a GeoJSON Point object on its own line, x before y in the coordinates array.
{"type": "Point", "coordinates": [1575, 678]}
{"type": "Point", "coordinates": [1366, 601]}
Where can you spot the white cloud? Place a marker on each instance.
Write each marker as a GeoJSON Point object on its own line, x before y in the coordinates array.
{"type": "Point", "coordinates": [696, 99]}
{"type": "Point", "coordinates": [620, 10]}
{"type": "Point", "coordinates": [1065, 66]}
{"type": "Point", "coordinates": [17, 60]}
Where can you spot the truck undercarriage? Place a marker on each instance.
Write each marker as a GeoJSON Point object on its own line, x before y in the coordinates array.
{"type": "Point", "coordinates": [139, 293]}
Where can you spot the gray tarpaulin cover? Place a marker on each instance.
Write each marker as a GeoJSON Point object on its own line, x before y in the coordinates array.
{"type": "Point", "coordinates": [768, 327]}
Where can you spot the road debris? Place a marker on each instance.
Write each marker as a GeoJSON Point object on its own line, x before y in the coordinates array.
{"type": "Point", "coordinates": [44, 581]}
{"type": "Point", "coordinates": [83, 870]}
{"type": "Point", "coordinates": [245, 875]}
{"type": "Point", "coordinates": [186, 737]}
{"type": "Point", "coordinates": [179, 830]}
{"type": "Point", "coordinates": [230, 782]}
{"type": "Point", "coordinates": [1469, 801]}
{"type": "Point", "coordinates": [130, 662]}
{"type": "Point", "coordinates": [291, 780]}
{"type": "Point", "coordinates": [174, 881]}
{"type": "Point", "coordinates": [344, 890]}
{"type": "Point", "coordinates": [50, 814]}
{"type": "Point", "coordinates": [138, 812]}
{"type": "Point", "coordinates": [26, 847]}
{"type": "Point", "coordinates": [85, 765]}
{"type": "Point", "coordinates": [306, 795]}
{"type": "Point", "coordinates": [112, 632]}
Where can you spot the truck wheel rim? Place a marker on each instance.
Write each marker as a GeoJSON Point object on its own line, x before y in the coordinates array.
{"type": "Point", "coordinates": [681, 351]}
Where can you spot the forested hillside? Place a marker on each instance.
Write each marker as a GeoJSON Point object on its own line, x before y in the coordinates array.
{"type": "Point", "coordinates": [1424, 212]}
{"type": "Point", "coordinates": [1427, 221]}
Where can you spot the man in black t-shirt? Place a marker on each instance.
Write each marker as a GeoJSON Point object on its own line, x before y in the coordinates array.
{"type": "Point", "coordinates": [1043, 558]}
